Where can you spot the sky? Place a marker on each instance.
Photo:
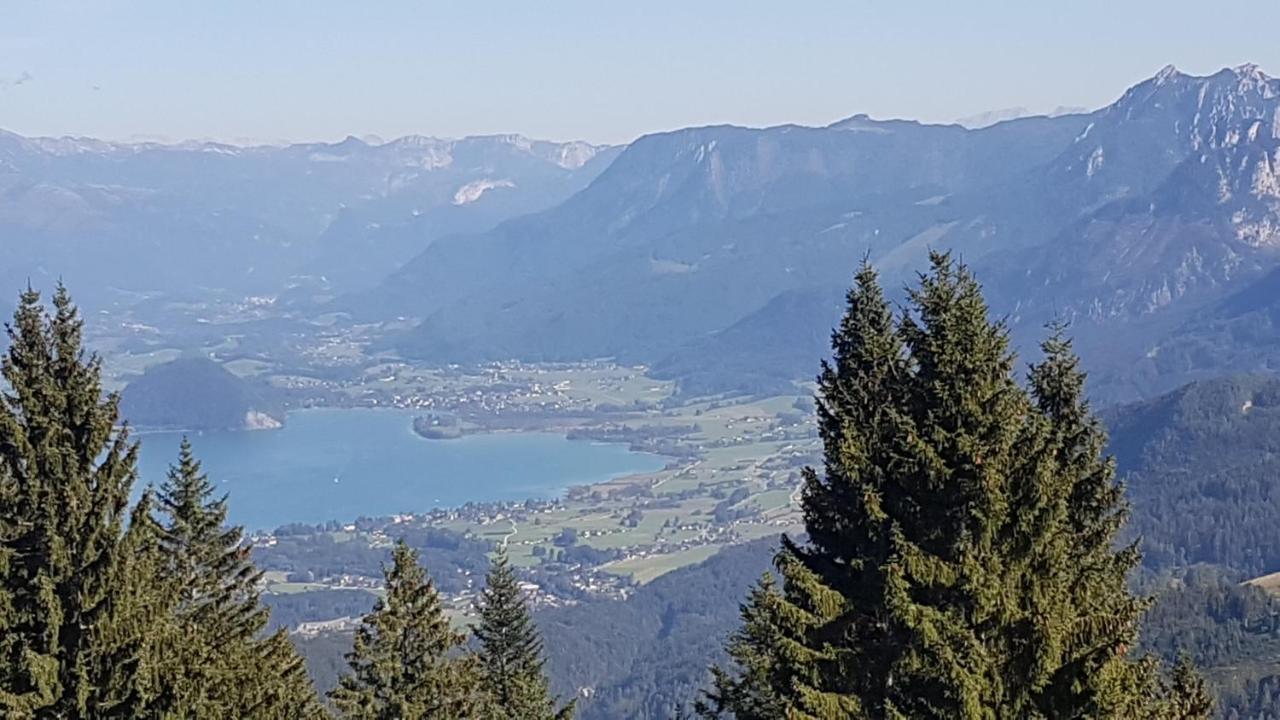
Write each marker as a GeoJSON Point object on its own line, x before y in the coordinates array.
{"type": "Point", "coordinates": [599, 70]}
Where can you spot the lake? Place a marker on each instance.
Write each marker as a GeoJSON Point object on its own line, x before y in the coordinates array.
{"type": "Point", "coordinates": [339, 464]}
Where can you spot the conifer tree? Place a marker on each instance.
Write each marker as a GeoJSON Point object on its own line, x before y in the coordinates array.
{"type": "Point", "coordinates": [405, 663]}
{"type": "Point", "coordinates": [961, 560]}
{"type": "Point", "coordinates": [1077, 617]}
{"type": "Point", "coordinates": [220, 665]}
{"type": "Point", "coordinates": [283, 690]}
{"type": "Point", "coordinates": [76, 606]}
{"type": "Point", "coordinates": [510, 654]}
{"type": "Point", "coordinates": [208, 561]}
{"type": "Point", "coordinates": [1187, 698]}
{"type": "Point", "coordinates": [779, 675]}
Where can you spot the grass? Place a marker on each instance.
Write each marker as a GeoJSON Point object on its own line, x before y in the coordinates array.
{"type": "Point", "coordinates": [1269, 583]}
{"type": "Point", "coordinates": [137, 363]}
{"type": "Point", "coordinates": [771, 501]}
{"type": "Point", "coordinates": [647, 569]}
{"type": "Point", "coordinates": [247, 367]}
{"type": "Point", "coordinates": [752, 463]}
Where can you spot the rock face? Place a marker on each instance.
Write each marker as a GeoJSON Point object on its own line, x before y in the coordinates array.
{"type": "Point", "coordinates": [198, 394]}
{"type": "Point", "coordinates": [1133, 220]}
{"type": "Point", "coordinates": [258, 420]}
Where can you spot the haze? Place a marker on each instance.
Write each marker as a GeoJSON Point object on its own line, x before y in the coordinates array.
{"type": "Point", "coordinates": [291, 70]}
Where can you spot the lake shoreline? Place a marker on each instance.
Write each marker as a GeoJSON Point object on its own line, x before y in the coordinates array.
{"type": "Point", "coordinates": [565, 425]}
{"type": "Point", "coordinates": [330, 464]}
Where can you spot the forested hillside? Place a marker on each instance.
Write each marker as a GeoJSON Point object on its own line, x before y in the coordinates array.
{"type": "Point", "coordinates": [1202, 465]}
{"type": "Point", "coordinates": [1150, 223]}
{"type": "Point", "coordinates": [1200, 468]}
{"type": "Point", "coordinates": [198, 394]}
{"type": "Point", "coordinates": [647, 657]}
{"type": "Point", "coordinates": [618, 361]}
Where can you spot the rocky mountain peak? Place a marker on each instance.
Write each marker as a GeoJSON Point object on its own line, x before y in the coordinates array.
{"type": "Point", "coordinates": [1241, 89]}
{"type": "Point", "coordinates": [1252, 74]}
{"type": "Point", "coordinates": [1168, 74]}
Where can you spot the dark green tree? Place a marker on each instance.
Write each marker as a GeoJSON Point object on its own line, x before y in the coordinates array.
{"type": "Point", "coordinates": [962, 558]}
{"type": "Point", "coordinates": [1187, 696]}
{"type": "Point", "coordinates": [208, 561]}
{"type": "Point", "coordinates": [76, 607]}
{"type": "Point", "coordinates": [778, 672]}
{"type": "Point", "coordinates": [510, 653]}
{"type": "Point", "coordinates": [1076, 619]}
{"type": "Point", "coordinates": [406, 662]}
{"type": "Point", "coordinates": [284, 690]}
{"type": "Point", "coordinates": [220, 664]}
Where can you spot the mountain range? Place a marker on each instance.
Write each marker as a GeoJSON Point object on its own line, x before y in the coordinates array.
{"type": "Point", "coordinates": [715, 255]}
{"type": "Point", "coordinates": [119, 220]}
{"type": "Point", "coordinates": [1151, 225]}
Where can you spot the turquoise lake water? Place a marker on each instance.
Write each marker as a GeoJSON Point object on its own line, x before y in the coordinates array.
{"type": "Point", "coordinates": [341, 464]}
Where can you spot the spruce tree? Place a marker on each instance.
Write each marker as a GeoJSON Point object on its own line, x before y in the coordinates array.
{"type": "Point", "coordinates": [283, 689]}
{"type": "Point", "coordinates": [1187, 698]}
{"type": "Point", "coordinates": [510, 654]}
{"type": "Point", "coordinates": [405, 664]}
{"type": "Point", "coordinates": [208, 561]}
{"type": "Point", "coordinates": [778, 674]}
{"type": "Point", "coordinates": [220, 664]}
{"type": "Point", "coordinates": [962, 558]}
{"type": "Point", "coordinates": [76, 606]}
{"type": "Point", "coordinates": [1077, 618]}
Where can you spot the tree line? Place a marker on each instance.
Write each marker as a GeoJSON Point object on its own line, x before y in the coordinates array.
{"type": "Point", "coordinates": [964, 557]}
{"type": "Point", "coordinates": [152, 609]}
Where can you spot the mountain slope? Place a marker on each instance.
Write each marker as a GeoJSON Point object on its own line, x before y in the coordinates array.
{"type": "Point", "coordinates": [1134, 222]}
{"type": "Point", "coordinates": [687, 232]}
{"type": "Point", "coordinates": [197, 394]}
{"type": "Point", "coordinates": [1201, 464]}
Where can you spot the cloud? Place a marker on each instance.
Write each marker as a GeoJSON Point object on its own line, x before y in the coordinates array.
{"type": "Point", "coordinates": [13, 82]}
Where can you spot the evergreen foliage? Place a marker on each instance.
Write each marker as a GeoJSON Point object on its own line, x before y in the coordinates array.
{"type": "Point", "coordinates": [962, 558]}
{"type": "Point", "coordinates": [510, 654]}
{"type": "Point", "coordinates": [1199, 466]}
{"type": "Point", "coordinates": [405, 664]}
{"type": "Point", "coordinates": [75, 600]}
{"type": "Point", "coordinates": [1189, 698]}
{"type": "Point", "coordinates": [220, 665]}
{"type": "Point", "coordinates": [108, 616]}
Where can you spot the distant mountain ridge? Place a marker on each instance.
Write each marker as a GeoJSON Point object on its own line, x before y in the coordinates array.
{"type": "Point", "coordinates": [714, 222]}
{"type": "Point", "coordinates": [991, 117]}
{"type": "Point", "coordinates": [118, 218]}
{"type": "Point", "coordinates": [716, 255]}
{"type": "Point", "coordinates": [1133, 220]}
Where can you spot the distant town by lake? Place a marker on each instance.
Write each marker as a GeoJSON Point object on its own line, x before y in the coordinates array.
{"type": "Point", "coordinates": [339, 464]}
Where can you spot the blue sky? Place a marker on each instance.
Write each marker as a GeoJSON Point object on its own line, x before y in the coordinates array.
{"type": "Point", "coordinates": [603, 71]}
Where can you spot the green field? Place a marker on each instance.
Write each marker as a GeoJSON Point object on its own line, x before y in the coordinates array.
{"type": "Point", "coordinates": [674, 525]}
{"type": "Point", "coordinates": [647, 569]}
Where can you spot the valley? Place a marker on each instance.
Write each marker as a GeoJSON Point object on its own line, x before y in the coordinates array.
{"type": "Point", "coordinates": [731, 475]}
{"type": "Point", "coordinates": [731, 461]}
{"type": "Point", "coordinates": [600, 360]}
